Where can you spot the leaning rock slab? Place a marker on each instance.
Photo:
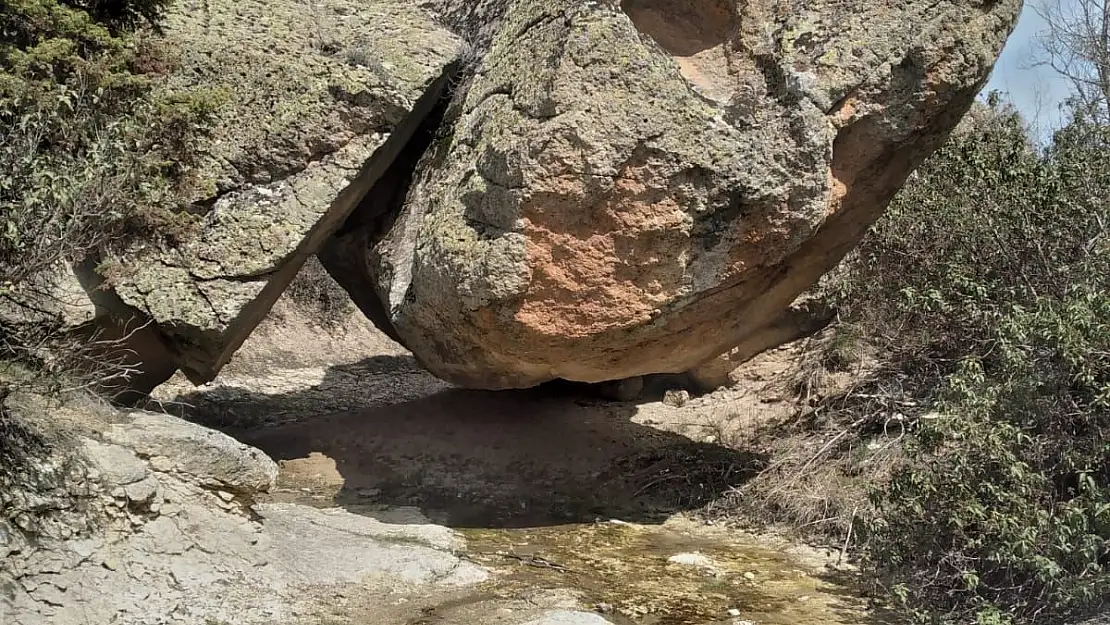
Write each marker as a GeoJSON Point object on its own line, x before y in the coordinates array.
{"type": "Point", "coordinates": [634, 188]}
{"type": "Point", "coordinates": [318, 98]}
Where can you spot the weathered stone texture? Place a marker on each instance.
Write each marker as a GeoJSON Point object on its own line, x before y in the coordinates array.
{"type": "Point", "coordinates": [635, 188]}
{"type": "Point", "coordinates": [316, 101]}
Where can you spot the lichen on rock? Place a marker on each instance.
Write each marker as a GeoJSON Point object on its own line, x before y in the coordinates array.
{"type": "Point", "coordinates": [318, 99]}
{"type": "Point", "coordinates": [634, 188]}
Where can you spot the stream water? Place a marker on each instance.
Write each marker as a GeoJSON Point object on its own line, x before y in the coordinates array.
{"type": "Point", "coordinates": [627, 572]}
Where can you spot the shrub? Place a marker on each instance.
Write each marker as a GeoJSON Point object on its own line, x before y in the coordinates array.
{"type": "Point", "coordinates": [79, 161]}
{"type": "Point", "coordinates": [1005, 508]}
{"type": "Point", "coordinates": [987, 285]}
{"type": "Point", "coordinates": [92, 155]}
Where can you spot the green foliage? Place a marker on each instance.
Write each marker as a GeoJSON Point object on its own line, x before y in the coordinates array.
{"type": "Point", "coordinates": [88, 156]}
{"type": "Point", "coordinates": [94, 153]}
{"type": "Point", "coordinates": [123, 14]}
{"type": "Point", "coordinates": [988, 285]}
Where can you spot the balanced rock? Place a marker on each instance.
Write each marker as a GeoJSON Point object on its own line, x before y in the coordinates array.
{"type": "Point", "coordinates": [630, 188]}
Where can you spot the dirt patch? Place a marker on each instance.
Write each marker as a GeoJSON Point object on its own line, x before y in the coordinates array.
{"type": "Point", "coordinates": [508, 459]}
{"type": "Point", "coordinates": [356, 422]}
{"type": "Point", "coordinates": [380, 433]}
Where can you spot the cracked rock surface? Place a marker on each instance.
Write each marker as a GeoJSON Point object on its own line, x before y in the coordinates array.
{"type": "Point", "coordinates": [631, 188]}
{"type": "Point", "coordinates": [154, 521]}
{"type": "Point", "coordinates": [316, 100]}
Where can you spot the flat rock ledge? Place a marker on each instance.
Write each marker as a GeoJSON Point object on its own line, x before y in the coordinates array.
{"type": "Point", "coordinates": [155, 521]}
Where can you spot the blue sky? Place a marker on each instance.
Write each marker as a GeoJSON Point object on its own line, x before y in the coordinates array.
{"type": "Point", "coordinates": [1036, 91]}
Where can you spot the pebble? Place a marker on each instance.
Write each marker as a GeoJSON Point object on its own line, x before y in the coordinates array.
{"type": "Point", "coordinates": [691, 559]}
{"type": "Point", "coordinates": [141, 491]}
{"type": "Point", "coordinates": [161, 464]}
{"type": "Point", "coordinates": [568, 617]}
{"type": "Point", "coordinates": [85, 547]}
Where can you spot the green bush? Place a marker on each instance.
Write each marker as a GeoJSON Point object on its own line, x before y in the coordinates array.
{"type": "Point", "coordinates": [79, 166]}
{"type": "Point", "coordinates": [988, 285]}
{"type": "Point", "coordinates": [94, 153]}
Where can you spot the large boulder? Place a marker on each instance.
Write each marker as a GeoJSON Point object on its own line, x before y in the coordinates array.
{"type": "Point", "coordinates": [632, 188]}
{"type": "Point", "coordinates": [318, 99]}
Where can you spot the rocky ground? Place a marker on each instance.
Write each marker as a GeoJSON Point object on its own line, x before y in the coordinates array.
{"type": "Point", "coordinates": [570, 500]}
{"type": "Point", "coordinates": [152, 519]}
{"type": "Point", "coordinates": [326, 477]}
{"type": "Point", "coordinates": [385, 495]}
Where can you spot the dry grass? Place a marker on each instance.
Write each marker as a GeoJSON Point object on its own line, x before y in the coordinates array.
{"type": "Point", "coordinates": [18, 442]}
{"type": "Point", "coordinates": [687, 476]}
{"type": "Point", "coordinates": [842, 438]}
{"type": "Point", "coordinates": [817, 481]}
{"type": "Point", "coordinates": [42, 350]}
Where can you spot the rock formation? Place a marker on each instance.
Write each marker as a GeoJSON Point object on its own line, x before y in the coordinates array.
{"type": "Point", "coordinates": [590, 191]}
{"type": "Point", "coordinates": [634, 188]}
{"type": "Point", "coordinates": [319, 101]}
